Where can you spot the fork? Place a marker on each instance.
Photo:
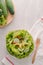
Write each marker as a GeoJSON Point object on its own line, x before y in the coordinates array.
{"type": "Point", "coordinates": [35, 52]}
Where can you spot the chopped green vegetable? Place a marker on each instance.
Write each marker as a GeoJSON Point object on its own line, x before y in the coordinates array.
{"type": "Point", "coordinates": [1, 12]}
{"type": "Point", "coordinates": [2, 20]}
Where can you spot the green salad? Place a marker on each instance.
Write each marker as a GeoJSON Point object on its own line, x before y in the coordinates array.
{"type": "Point", "coordinates": [19, 43]}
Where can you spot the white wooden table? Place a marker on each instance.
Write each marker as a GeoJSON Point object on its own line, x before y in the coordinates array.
{"type": "Point", "coordinates": [26, 14]}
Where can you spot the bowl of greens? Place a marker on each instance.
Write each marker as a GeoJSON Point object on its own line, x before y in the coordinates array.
{"type": "Point", "coordinates": [19, 43]}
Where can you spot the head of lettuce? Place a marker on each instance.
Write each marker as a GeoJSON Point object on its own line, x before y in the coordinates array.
{"type": "Point", "coordinates": [19, 43]}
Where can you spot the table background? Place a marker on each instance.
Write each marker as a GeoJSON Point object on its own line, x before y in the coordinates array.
{"type": "Point", "coordinates": [26, 14]}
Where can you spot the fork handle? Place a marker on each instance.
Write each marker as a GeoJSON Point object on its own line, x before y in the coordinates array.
{"type": "Point", "coordinates": [34, 56]}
